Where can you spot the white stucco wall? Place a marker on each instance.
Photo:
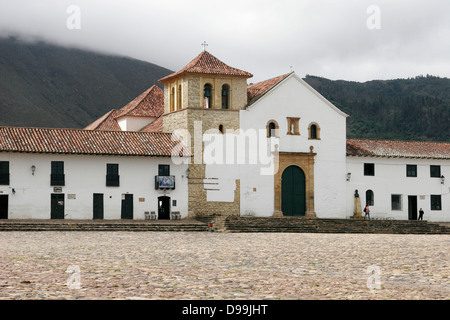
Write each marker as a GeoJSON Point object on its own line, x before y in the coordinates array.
{"type": "Point", "coordinates": [390, 178]}
{"type": "Point", "coordinates": [134, 123]}
{"type": "Point", "coordinates": [294, 98]}
{"type": "Point", "coordinates": [84, 176]}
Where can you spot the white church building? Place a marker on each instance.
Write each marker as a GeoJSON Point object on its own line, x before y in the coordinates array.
{"type": "Point", "coordinates": [212, 144]}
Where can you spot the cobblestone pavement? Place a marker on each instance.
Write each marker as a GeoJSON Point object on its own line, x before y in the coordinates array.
{"type": "Point", "coordinates": [177, 265]}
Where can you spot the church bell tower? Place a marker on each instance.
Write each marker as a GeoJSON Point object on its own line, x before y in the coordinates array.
{"type": "Point", "coordinates": [206, 94]}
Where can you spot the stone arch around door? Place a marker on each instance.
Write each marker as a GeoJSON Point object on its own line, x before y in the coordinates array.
{"type": "Point", "coordinates": [305, 162]}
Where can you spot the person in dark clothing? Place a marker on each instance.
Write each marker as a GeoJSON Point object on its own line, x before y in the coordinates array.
{"type": "Point", "coordinates": [420, 214]}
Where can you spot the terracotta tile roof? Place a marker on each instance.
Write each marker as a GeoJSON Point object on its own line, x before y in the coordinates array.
{"type": "Point", "coordinates": [205, 62]}
{"type": "Point", "coordinates": [106, 122]}
{"type": "Point", "coordinates": [150, 103]}
{"type": "Point", "coordinates": [155, 126]}
{"type": "Point", "coordinates": [89, 142]}
{"type": "Point", "coordinates": [401, 149]}
{"type": "Point", "coordinates": [257, 90]}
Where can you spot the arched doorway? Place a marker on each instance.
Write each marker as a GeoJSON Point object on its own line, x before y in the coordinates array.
{"type": "Point", "coordinates": [293, 192]}
{"type": "Point", "coordinates": [163, 208]}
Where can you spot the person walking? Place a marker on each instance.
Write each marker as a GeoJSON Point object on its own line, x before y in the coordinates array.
{"type": "Point", "coordinates": [367, 212]}
{"type": "Point", "coordinates": [420, 214]}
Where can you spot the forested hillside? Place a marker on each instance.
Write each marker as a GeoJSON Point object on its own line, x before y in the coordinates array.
{"type": "Point", "coordinates": [44, 85]}
{"type": "Point", "coordinates": [405, 109]}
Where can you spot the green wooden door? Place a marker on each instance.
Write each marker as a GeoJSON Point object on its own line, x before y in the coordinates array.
{"type": "Point", "coordinates": [293, 195]}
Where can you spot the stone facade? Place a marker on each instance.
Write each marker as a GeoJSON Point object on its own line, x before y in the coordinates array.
{"type": "Point", "coordinates": [192, 122]}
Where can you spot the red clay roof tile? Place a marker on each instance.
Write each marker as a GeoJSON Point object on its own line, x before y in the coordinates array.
{"type": "Point", "coordinates": [150, 103]}
{"type": "Point", "coordinates": [257, 90]}
{"type": "Point", "coordinates": [106, 122]}
{"type": "Point", "coordinates": [206, 63]}
{"type": "Point", "coordinates": [395, 148]}
{"type": "Point", "coordinates": [90, 142]}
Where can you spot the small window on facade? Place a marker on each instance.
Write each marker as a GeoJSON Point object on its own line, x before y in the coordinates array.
{"type": "Point", "coordinates": [4, 173]}
{"type": "Point", "coordinates": [293, 126]}
{"type": "Point", "coordinates": [207, 103]}
{"type": "Point", "coordinates": [57, 174]}
{"type": "Point", "coordinates": [314, 131]}
{"type": "Point", "coordinates": [435, 171]}
{"type": "Point", "coordinates": [436, 202]}
{"type": "Point", "coordinates": [396, 202]}
{"type": "Point", "coordinates": [221, 128]}
{"type": "Point", "coordinates": [272, 129]}
{"type": "Point", "coordinates": [164, 170]}
{"type": "Point", "coordinates": [411, 170]}
{"type": "Point", "coordinates": [179, 106]}
{"type": "Point", "coordinates": [112, 175]}
{"type": "Point", "coordinates": [225, 96]}
{"type": "Point", "coordinates": [369, 169]}
{"type": "Point", "coordinates": [172, 100]}
{"type": "Point", "coordinates": [369, 198]}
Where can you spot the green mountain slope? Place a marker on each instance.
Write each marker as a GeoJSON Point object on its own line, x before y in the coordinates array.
{"type": "Point", "coordinates": [45, 85]}
{"type": "Point", "coordinates": [404, 109]}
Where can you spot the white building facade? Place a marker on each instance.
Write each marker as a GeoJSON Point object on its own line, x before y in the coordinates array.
{"type": "Point", "coordinates": [60, 185]}
{"type": "Point", "coordinates": [121, 166]}
{"type": "Point", "coordinates": [397, 182]}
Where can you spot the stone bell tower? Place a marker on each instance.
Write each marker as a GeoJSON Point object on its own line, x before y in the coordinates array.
{"type": "Point", "coordinates": [205, 94]}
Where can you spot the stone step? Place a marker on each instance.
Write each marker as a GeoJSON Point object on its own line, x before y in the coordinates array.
{"type": "Point", "coordinates": [99, 226]}
{"type": "Point", "coordinates": [284, 224]}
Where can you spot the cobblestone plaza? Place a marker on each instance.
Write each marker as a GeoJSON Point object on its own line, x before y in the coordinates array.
{"type": "Point", "coordinates": [213, 266]}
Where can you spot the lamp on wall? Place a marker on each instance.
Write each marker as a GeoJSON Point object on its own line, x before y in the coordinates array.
{"type": "Point", "coordinates": [349, 175]}
{"type": "Point", "coordinates": [188, 172]}
{"type": "Point", "coordinates": [442, 179]}
{"type": "Point", "coordinates": [33, 169]}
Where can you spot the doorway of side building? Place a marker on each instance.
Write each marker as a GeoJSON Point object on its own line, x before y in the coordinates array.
{"type": "Point", "coordinates": [127, 206]}
{"type": "Point", "coordinates": [293, 192]}
{"type": "Point", "coordinates": [164, 208]}
{"type": "Point", "coordinates": [3, 206]}
{"type": "Point", "coordinates": [98, 206]}
{"type": "Point", "coordinates": [57, 206]}
{"type": "Point", "coordinates": [412, 207]}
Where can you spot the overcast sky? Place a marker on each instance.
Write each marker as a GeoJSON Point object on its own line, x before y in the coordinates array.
{"type": "Point", "coordinates": [338, 39]}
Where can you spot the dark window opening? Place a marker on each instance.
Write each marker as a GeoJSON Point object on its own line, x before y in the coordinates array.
{"type": "Point", "coordinates": [411, 170]}
{"type": "Point", "coordinates": [369, 169]}
{"type": "Point", "coordinates": [225, 96]}
{"type": "Point", "coordinates": [164, 170]}
{"type": "Point", "coordinates": [435, 171]}
{"type": "Point", "coordinates": [369, 198]}
{"type": "Point", "coordinates": [57, 177]}
{"type": "Point", "coordinates": [112, 175]}
{"type": "Point", "coordinates": [272, 128]}
{"type": "Point", "coordinates": [207, 103]}
{"type": "Point", "coordinates": [313, 131]}
{"type": "Point", "coordinates": [4, 173]}
{"type": "Point", "coordinates": [396, 202]}
{"type": "Point", "coordinates": [436, 202]}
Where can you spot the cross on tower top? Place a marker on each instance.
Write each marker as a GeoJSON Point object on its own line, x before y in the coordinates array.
{"type": "Point", "coordinates": [204, 44]}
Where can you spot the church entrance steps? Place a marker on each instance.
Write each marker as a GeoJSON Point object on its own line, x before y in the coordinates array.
{"type": "Point", "coordinates": [306, 225]}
